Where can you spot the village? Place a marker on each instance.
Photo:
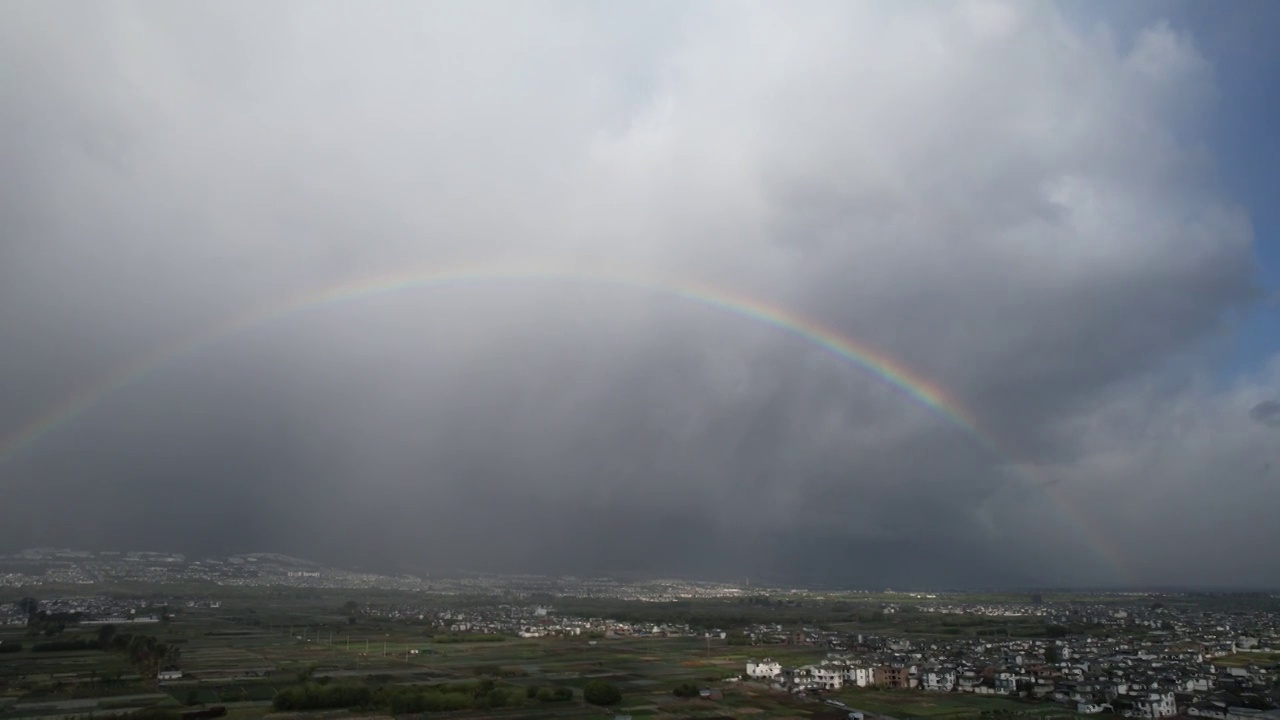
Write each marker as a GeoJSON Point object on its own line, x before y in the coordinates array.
{"type": "Point", "coordinates": [1141, 660]}
{"type": "Point", "coordinates": [1143, 655]}
{"type": "Point", "coordinates": [1154, 663]}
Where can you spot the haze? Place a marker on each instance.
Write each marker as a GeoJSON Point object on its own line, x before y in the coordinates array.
{"type": "Point", "coordinates": [1056, 216]}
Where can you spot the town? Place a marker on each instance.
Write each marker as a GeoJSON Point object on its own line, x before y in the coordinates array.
{"type": "Point", "coordinates": [252, 627]}
{"type": "Point", "coordinates": [1202, 667]}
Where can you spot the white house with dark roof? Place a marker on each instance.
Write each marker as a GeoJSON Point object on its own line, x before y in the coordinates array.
{"type": "Point", "coordinates": [766, 669]}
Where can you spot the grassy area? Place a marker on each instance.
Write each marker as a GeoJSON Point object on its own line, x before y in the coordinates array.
{"type": "Point", "coordinates": [921, 704]}
{"type": "Point", "coordinates": [245, 667]}
{"type": "Point", "coordinates": [1246, 659]}
{"type": "Point", "coordinates": [243, 653]}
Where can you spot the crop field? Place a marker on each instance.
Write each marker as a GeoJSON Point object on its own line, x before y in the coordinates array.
{"type": "Point", "coordinates": [242, 656]}
{"type": "Point", "coordinates": [922, 704]}
{"type": "Point", "coordinates": [243, 670]}
{"type": "Point", "coordinates": [1246, 659]}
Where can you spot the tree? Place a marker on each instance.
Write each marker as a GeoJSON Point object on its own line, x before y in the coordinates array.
{"type": "Point", "coordinates": [1056, 631]}
{"type": "Point", "coordinates": [496, 698]}
{"type": "Point", "coordinates": [685, 690]}
{"type": "Point", "coordinates": [483, 688]}
{"type": "Point", "coordinates": [1052, 654]}
{"type": "Point", "coordinates": [599, 692]}
{"type": "Point", "coordinates": [554, 694]}
{"type": "Point", "coordinates": [106, 634]}
{"type": "Point", "coordinates": [350, 607]}
{"type": "Point", "coordinates": [171, 655]}
{"type": "Point", "coordinates": [30, 606]}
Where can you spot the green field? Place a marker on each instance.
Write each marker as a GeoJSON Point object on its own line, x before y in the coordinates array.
{"type": "Point", "coordinates": [1245, 659]}
{"type": "Point", "coordinates": [921, 704]}
{"type": "Point", "coordinates": [242, 654]}
{"type": "Point", "coordinates": [245, 668]}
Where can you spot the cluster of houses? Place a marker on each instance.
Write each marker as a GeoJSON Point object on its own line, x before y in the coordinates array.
{"type": "Point", "coordinates": [92, 610]}
{"type": "Point", "coordinates": [1205, 657]}
{"type": "Point", "coordinates": [1130, 700]}
{"type": "Point", "coordinates": [1089, 675]}
{"type": "Point", "coordinates": [529, 621]}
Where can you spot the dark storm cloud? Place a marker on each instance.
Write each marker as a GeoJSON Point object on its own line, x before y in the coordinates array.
{"type": "Point", "coordinates": [1266, 412]}
{"type": "Point", "coordinates": [1023, 227]}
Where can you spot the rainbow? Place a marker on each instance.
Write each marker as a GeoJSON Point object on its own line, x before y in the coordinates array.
{"type": "Point", "coordinates": [918, 387]}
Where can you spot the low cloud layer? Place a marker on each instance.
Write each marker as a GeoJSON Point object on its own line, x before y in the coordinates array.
{"type": "Point", "coordinates": [1015, 208]}
{"type": "Point", "coordinates": [1266, 412]}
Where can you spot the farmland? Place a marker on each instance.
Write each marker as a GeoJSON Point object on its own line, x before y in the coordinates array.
{"type": "Point", "coordinates": [912, 704]}
{"type": "Point", "coordinates": [244, 654]}
{"type": "Point", "coordinates": [1245, 659]}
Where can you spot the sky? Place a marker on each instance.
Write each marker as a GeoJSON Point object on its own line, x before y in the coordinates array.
{"type": "Point", "coordinates": [903, 294]}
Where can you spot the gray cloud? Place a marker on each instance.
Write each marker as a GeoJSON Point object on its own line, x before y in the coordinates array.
{"type": "Point", "coordinates": [979, 191]}
{"type": "Point", "coordinates": [1266, 412]}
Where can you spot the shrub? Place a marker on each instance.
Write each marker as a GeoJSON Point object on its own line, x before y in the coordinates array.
{"type": "Point", "coordinates": [557, 694]}
{"type": "Point", "coordinates": [65, 646]}
{"type": "Point", "coordinates": [599, 692]}
{"type": "Point", "coordinates": [685, 690]}
{"type": "Point", "coordinates": [312, 696]}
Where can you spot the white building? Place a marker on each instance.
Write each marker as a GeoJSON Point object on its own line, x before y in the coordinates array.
{"type": "Point", "coordinates": [766, 669]}
{"type": "Point", "coordinates": [861, 676]}
{"type": "Point", "coordinates": [938, 680]}
{"type": "Point", "coordinates": [1197, 684]}
{"type": "Point", "coordinates": [823, 677]}
{"type": "Point", "coordinates": [1154, 705]}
